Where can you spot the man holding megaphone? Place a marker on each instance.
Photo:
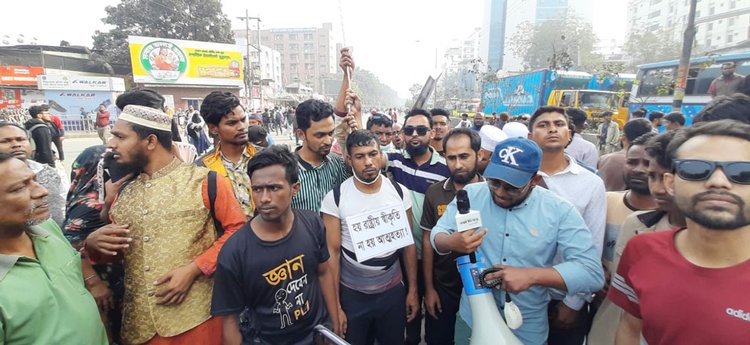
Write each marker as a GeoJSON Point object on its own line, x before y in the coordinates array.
{"type": "Point", "coordinates": [524, 227]}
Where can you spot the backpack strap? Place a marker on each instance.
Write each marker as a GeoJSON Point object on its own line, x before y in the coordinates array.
{"type": "Point", "coordinates": [337, 194]}
{"type": "Point", "coordinates": [397, 187]}
{"type": "Point", "coordinates": [212, 202]}
{"type": "Point", "coordinates": [337, 191]}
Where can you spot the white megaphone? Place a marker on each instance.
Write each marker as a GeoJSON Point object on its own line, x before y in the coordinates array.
{"type": "Point", "coordinates": [488, 328]}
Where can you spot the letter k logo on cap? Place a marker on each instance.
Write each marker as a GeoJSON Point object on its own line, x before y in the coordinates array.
{"type": "Point", "coordinates": [508, 155]}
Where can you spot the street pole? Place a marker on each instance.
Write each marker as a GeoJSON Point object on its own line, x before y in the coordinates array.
{"type": "Point", "coordinates": [682, 70]}
{"type": "Point", "coordinates": [260, 67]}
{"type": "Point", "coordinates": [249, 73]}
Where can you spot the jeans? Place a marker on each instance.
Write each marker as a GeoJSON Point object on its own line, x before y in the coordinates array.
{"type": "Point", "coordinates": [383, 315]}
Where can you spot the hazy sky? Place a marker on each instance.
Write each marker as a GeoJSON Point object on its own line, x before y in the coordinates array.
{"type": "Point", "coordinates": [395, 39]}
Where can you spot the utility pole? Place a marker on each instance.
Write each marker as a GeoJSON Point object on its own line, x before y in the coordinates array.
{"type": "Point", "coordinates": [682, 70]}
{"type": "Point", "coordinates": [249, 70]}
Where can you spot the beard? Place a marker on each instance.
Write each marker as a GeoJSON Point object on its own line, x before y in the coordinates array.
{"type": "Point", "coordinates": [140, 161]}
{"type": "Point", "coordinates": [465, 178]}
{"type": "Point", "coordinates": [416, 151]}
{"type": "Point", "coordinates": [707, 218]}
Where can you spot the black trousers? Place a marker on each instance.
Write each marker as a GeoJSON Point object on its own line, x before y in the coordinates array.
{"type": "Point", "coordinates": [382, 316]}
{"type": "Point", "coordinates": [441, 331]}
{"type": "Point", "coordinates": [568, 336]}
{"type": "Point", "coordinates": [414, 328]}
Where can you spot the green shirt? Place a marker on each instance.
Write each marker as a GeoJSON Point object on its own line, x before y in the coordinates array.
{"type": "Point", "coordinates": [44, 301]}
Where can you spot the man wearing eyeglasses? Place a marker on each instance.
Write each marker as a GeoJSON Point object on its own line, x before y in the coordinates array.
{"type": "Point", "coordinates": [524, 227]}
{"type": "Point", "coordinates": [689, 285]}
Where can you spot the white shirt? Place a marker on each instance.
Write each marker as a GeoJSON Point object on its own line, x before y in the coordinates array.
{"type": "Point", "coordinates": [585, 190]}
{"type": "Point", "coordinates": [583, 150]}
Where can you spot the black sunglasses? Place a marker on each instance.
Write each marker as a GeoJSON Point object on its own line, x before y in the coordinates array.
{"type": "Point", "coordinates": [421, 130]}
{"type": "Point", "coordinates": [700, 170]}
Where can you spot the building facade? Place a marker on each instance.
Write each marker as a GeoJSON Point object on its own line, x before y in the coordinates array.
{"type": "Point", "coordinates": [720, 24]}
{"type": "Point", "coordinates": [307, 55]}
{"type": "Point", "coordinates": [502, 20]}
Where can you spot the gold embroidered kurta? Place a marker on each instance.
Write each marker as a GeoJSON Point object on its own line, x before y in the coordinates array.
{"type": "Point", "coordinates": [170, 227]}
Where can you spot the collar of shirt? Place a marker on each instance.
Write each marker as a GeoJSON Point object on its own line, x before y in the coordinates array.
{"type": "Point", "coordinates": [572, 168]}
{"type": "Point", "coordinates": [242, 163]}
{"type": "Point", "coordinates": [8, 261]}
{"type": "Point", "coordinates": [449, 186]}
{"type": "Point", "coordinates": [434, 159]}
{"type": "Point", "coordinates": [304, 165]}
{"type": "Point", "coordinates": [35, 166]}
{"type": "Point", "coordinates": [163, 171]}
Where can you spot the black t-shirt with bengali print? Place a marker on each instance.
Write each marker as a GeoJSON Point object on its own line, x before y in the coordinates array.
{"type": "Point", "coordinates": [277, 281]}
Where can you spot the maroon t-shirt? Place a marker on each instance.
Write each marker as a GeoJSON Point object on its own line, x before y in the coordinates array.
{"type": "Point", "coordinates": [679, 302]}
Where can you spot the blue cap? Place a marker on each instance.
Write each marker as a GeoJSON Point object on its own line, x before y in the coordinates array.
{"type": "Point", "coordinates": [515, 161]}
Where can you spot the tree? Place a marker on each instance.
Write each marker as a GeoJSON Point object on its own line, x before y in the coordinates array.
{"type": "Point", "coordinates": [646, 46]}
{"type": "Point", "coordinates": [199, 20]}
{"type": "Point", "coordinates": [556, 44]}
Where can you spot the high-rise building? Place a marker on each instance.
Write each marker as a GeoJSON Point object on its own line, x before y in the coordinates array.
{"type": "Point", "coordinates": [492, 46]}
{"type": "Point", "coordinates": [503, 17]}
{"type": "Point", "coordinates": [720, 24]}
{"type": "Point", "coordinates": [308, 55]}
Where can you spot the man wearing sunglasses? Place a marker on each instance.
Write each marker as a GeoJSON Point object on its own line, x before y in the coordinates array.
{"type": "Point", "coordinates": [525, 227]}
{"type": "Point", "coordinates": [709, 259]}
{"type": "Point", "coordinates": [666, 216]}
{"type": "Point", "coordinates": [418, 167]}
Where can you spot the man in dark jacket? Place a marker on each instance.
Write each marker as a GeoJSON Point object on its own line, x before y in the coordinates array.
{"type": "Point", "coordinates": [42, 136]}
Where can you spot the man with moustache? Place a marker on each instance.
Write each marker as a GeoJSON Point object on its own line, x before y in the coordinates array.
{"type": "Point", "coordinates": [637, 197]}
{"type": "Point", "coordinates": [227, 121]}
{"type": "Point", "coordinates": [418, 167]}
{"type": "Point", "coordinates": [382, 126]}
{"type": "Point", "coordinates": [14, 140]}
{"type": "Point", "coordinates": [666, 216]}
{"type": "Point", "coordinates": [440, 124]}
{"type": "Point", "coordinates": [319, 169]}
{"type": "Point", "coordinates": [611, 165]}
{"type": "Point", "coordinates": [709, 259]}
{"type": "Point", "coordinates": [169, 252]}
{"type": "Point", "coordinates": [550, 128]}
{"type": "Point", "coordinates": [372, 296]}
{"type": "Point", "coordinates": [525, 227]}
{"type": "Point", "coordinates": [42, 291]}
{"type": "Point", "coordinates": [276, 265]}
{"type": "Point", "coordinates": [442, 281]}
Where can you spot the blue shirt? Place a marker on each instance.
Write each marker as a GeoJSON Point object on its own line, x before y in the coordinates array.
{"type": "Point", "coordinates": [529, 235]}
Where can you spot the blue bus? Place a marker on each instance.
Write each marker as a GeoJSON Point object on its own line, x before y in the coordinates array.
{"type": "Point", "coordinates": [654, 81]}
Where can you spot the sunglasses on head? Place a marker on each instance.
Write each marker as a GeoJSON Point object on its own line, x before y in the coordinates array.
{"type": "Point", "coordinates": [421, 130]}
{"type": "Point", "coordinates": [701, 170]}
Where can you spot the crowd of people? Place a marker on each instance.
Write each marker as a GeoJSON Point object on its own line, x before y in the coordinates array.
{"type": "Point", "coordinates": [234, 240]}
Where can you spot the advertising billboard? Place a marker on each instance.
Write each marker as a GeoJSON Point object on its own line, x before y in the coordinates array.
{"type": "Point", "coordinates": [178, 62]}
{"type": "Point", "coordinates": [70, 103]}
{"type": "Point", "coordinates": [19, 75]}
{"type": "Point", "coordinates": [80, 83]}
